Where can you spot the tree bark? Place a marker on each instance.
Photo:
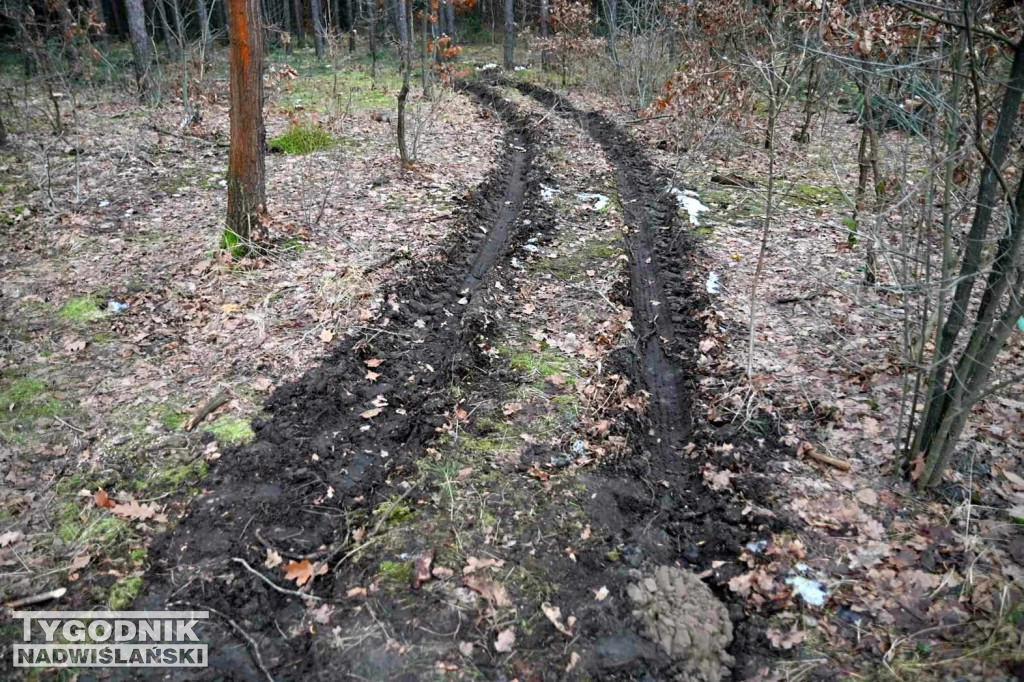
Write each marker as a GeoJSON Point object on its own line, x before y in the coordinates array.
{"type": "Point", "coordinates": [169, 39]}
{"type": "Point", "coordinates": [287, 17]}
{"type": "Point", "coordinates": [510, 35]}
{"type": "Point", "coordinates": [449, 12]}
{"type": "Point", "coordinates": [971, 262]}
{"type": "Point", "coordinates": [300, 23]}
{"type": "Point", "coordinates": [318, 27]}
{"type": "Point", "coordinates": [141, 53]}
{"type": "Point", "coordinates": [350, 26]}
{"type": "Point", "coordinates": [204, 28]}
{"type": "Point", "coordinates": [246, 178]}
{"type": "Point", "coordinates": [406, 55]}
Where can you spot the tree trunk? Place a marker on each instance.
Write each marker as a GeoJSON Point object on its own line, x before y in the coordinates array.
{"type": "Point", "coordinates": [545, 29]}
{"type": "Point", "coordinates": [179, 27]}
{"type": "Point", "coordinates": [611, 17]}
{"type": "Point", "coordinates": [425, 57]}
{"type": "Point", "coordinates": [204, 28]}
{"type": "Point", "coordinates": [970, 266]}
{"type": "Point", "coordinates": [350, 26]}
{"type": "Point", "coordinates": [246, 183]}
{"type": "Point", "coordinates": [803, 136]}
{"type": "Point", "coordinates": [402, 29]}
{"type": "Point", "coordinates": [405, 54]}
{"type": "Point", "coordinates": [286, 15]}
{"type": "Point", "coordinates": [449, 11]}
{"type": "Point", "coordinates": [510, 35]}
{"type": "Point", "coordinates": [141, 52]}
{"type": "Point", "coordinates": [318, 27]}
{"type": "Point", "coordinates": [169, 38]}
{"type": "Point", "coordinates": [300, 23]}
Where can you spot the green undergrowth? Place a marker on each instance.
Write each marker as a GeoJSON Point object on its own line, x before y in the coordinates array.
{"type": "Point", "coordinates": [302, 138]}
{"type": "Point", "coordinates": [23, 401]}
{"type": "Point", "coordinates": [83, 309]}
{"type": "Point", "coordinates": [230, 430]}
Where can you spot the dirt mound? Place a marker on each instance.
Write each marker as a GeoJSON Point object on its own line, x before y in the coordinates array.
{"type": "Point", "coordinates": [681, 614]}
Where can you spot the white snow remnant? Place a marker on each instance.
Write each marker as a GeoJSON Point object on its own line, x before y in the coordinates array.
{"type": "Point", "coordinates": [600, 200]}
{"type": "Point", "coordinates": [689, 202]}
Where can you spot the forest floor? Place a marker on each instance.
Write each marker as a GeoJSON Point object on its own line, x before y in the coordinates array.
{"type": "Point", "coordinates": [485, 417]}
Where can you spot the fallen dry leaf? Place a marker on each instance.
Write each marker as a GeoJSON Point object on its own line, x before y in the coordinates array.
{"type": "Point", "coordinates": [786, 640]}
{"type": "Point", "coordinates": [371, 413]}
{"type": "Point", "coordinates": [554, 614]}
{"type": "Point", "coordinates": [327, 335]}
{"type": "Point", "coordinates": [474, 564]}
{"type": "Point", "coordinates": [303, 571]}
{"type": "Point", "coordinates": [374, 362]}
{"type": "Point", "coordinates": [134, 510]}
{"type": "Point", "coordinates": [261, 384]}
{"type": "Point", "coordinates": [493, 592]}
{"type": "Point", "coordinates": [601, 594]}
{"type": "Point", "coordinates": [574, 659]}
{"type": "Point", "coordinates": [273, 559]}
{"type": "Point", "coordinates": [505, 641]}
{"type": "Point", "coordinates": [421, 569]}
{"type": "Point", "coordinates": [102, 499]}
{"type": "Point", "coordinates": [78, 563]}
{"type": "Point", "coordinates": [372, 376]}
{"type": "Point", "coordinates": [867, 496]}
{"type": "Point", "coordinates": [10, 537]}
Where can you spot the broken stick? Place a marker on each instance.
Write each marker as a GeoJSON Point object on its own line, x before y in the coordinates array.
{"type": "Point", "coordinates": [199, 415]}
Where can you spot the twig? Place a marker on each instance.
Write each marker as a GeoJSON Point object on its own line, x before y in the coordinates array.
{"type": "Point", "coordinates": [253, 646]}
{"type": "Point", "coordinates": [37, 598]}
{"type": "Point", "coordinates": [798, 298]}
{"type": "Point", "coordinates": [294, 593]}
{"type": "Point", "coordinates": [204, 411]}
{"type": "Point", "coordinates": [840, 464]}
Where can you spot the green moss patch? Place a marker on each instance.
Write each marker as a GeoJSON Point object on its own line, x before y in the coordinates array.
{"type": "Point", "coordinates": [232, 430]}
{"type": "Point", "coordinates": [21, 403]}
{"type": "Point", "coordinates": [83, 309]}
{"type": "Point", "coordinates": [302, 138]}
{"type": "Point", "coordinates": [123, 593]}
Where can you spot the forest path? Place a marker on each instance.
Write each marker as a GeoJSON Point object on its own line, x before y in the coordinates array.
{"type": "Point", "coordinates": [459, 436]}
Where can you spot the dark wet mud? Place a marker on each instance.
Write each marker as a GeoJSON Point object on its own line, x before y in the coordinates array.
{"type": "Point", "coordinates": [338, 446]}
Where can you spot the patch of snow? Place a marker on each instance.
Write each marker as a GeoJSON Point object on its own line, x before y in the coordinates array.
{"type": "Point", "coordinates": [811, 591]}
{"type": "Point", "coordinates": [548, 193]}
{"type": "Point", "coordinates": [712, 285]}
{"type": "Point", "coordinates": [688, 201]}
{"type": "Point", "coordinates": [600, 200]}
{"type": "Point", "coordinates": [487, 67]}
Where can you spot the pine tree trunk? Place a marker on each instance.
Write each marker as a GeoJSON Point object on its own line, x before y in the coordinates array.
{"type": "Point", "coordinates": [287, 19]}
{"type": "Point", "coordinates": [318, 27]}
{"type": "Point", "coordinates": [404, 52]}
{"type": "Point", "coordinates": [169, 39]}
{"type": "Point", "coordinates": [449, 11]}
{"type": "Point", "coordinates": [510, 35]}
{"type": "Point", "coordinates": [246, 179]}
{"type": "Point", "coordinates": [141, 52]}
{"type": "Point", "coordinates": [350, 26]}
{"type": "Point", "coordinates": [300, 23]}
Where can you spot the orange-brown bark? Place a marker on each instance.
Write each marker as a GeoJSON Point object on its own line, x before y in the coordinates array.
{"type": "Point", "coordinates": [246, 178]}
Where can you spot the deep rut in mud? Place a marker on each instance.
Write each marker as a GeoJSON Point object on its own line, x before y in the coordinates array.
{"type": "Point", "coordinates": [338, 443]}
{"type": "Point", "coordinates": [334, 437]}
{"type": "Point", "coordinates": [687, 522]}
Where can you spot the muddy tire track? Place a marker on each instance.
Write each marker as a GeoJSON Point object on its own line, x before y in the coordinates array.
{"type": "Point", "coordinates": [336, 439]}
{"type": "Point", "coordinates": [685, 523]}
